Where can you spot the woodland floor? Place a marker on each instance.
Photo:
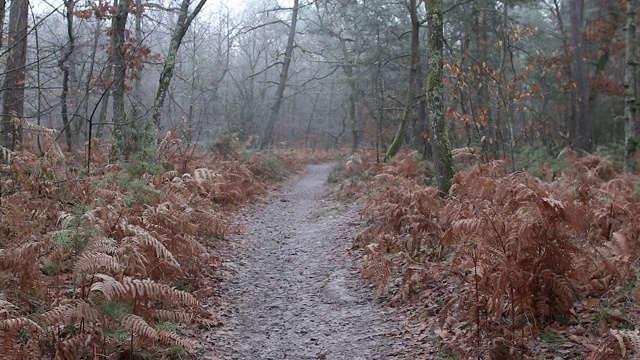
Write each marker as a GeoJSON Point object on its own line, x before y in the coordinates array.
{"type": "Point", "coordinates": [292, 290]}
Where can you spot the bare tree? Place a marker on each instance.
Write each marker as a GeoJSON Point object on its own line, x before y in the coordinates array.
{"type": "Point", "coordinates": [65, 66]}
{"type": "Point", "coordinates": [411, 91]}
{"type": "Point", "coordinates": [284, 73]}
{"type": "Point", "coordinates": [184, 21]}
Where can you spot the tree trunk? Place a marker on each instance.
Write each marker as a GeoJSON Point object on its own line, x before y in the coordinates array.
{"type": "Point", "coordinates": [420, 140]}
{"type": "Point", "coordinates": [124, 145]}
{"type": "Point", "coordinates": [630, 128]}
{"type": "Point", "coordinates": [87, 83]}
{"type": "Point", "coordinates": [348, 71]}
{"type": "Point", "coordinates": [582, 126]}
{"type": "Point", "coordinates": [307, 133]}
{"type": "Point", "coordinates": [107, 81]}
{"type": "Point", "coordinates": [64, 65]}
{"type": "Point", "coordinates": [3, 8]}
{"type": "Point", "coordinates": [355, 132]}
{"type": "Point", "coordinates": [441, 145]}
{"type": "Point", "coordinates": [137, 82]}
{"type": "Point", "coordinates": [184, 21]}
{"type": "Point", "coordinates": [411, 91]}
{"type": "Point", "coordinates": [284, 73]}
{"type": "Point", "coordinates": [14, 81]}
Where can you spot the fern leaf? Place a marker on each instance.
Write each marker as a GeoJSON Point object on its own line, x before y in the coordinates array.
{"type": "Point", "coordinates": [139, 326]}
{"type": "Point", "coordinates": [12, 325]}
{"type": "Point", "coordinates": [109, 287]}
{"type": "Point", "coordinates": [145, 289]}
{"type": "Point", "coordinates": [76, 347]}
{"type": "Point", "coordinates": [6, 154]}
{"type": "Point", "coordinates": [166, 315]}
{"type": "Point", "coordinates": [145, 238]}
{"type": "Point", "coordinates": [89, 263]}
{"type": "Point", "coordinates": [71, 313]}
{"type": "Point", "coordinates": [7, 308]}
{"type": "Point", "coordinates": [170, 338]}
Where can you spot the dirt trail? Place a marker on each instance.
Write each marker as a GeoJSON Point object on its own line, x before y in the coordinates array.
{"type": "Point", "coordinates": [296, 295]}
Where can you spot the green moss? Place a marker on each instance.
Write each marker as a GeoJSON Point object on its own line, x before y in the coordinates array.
{"type": "Point", "coordinates": [435, 74]}
{"type": "Point", "coordinates": [114, 310]}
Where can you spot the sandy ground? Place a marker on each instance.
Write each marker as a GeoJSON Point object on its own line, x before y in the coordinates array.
{"type": "Point", "coordinates": [295, 293]}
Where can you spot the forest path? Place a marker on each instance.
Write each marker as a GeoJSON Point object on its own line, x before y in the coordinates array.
{"type": "Point", "coordinates": [296, 294]}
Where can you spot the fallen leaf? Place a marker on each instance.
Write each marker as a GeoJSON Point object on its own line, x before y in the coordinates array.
{"type": "Point", "coordinates": [591, 303]}
{"type": "Point", "coordinates": [444, 334]}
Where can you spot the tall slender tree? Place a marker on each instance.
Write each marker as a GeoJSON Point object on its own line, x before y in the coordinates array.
{"type": "Point", "coordinates": [582, 126]}
{"type": "Point", "coordinates": [411, 91]}
{"type": "Point", "coordinates": [441, 144]}
{"type": "Point", "coordinates": [630, 128]}
{"type": "Point", "coordinates": [125, 144]}
{"type": "Point", "coordinates": [65, 67]}
{"type": "Point", "coordinates": [184, 22]}
{"type": "Point", "coordinates": [282, 82]}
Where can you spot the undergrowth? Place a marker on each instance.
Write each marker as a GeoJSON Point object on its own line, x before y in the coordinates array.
{"type": "Point", "coordinates": [114, 262]}
{"type": "Point", "coordinates": [505, 259]}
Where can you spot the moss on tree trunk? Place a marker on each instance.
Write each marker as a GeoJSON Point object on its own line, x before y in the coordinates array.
{"type": "Point", "coordinates": [442, 159]}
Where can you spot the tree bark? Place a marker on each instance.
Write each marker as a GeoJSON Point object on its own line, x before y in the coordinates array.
{"type": "Point", "coordinates": [184, 21]}
{"type": "Point", "coordinates": [419, 139]}
{"type": "Point", "coordinates": [411, 91]}
{"type": "Point", "coordinates": [582, 126]}
{"type": "Point", "coordinates": [284, 73]}
{"type": "Point", "coordinates": [64, 66]}
{"type": "Point", "coordinates": [14, 81]}
{"type": "Point", "coordinates": [630, 127]}
{"type": "Point", "coordinates": [348, 71]}
{"type": "Point", "coordinates": [124, 145]}
{"type": "Point", "coordinates": [441, 144]}
{"type": "Point", "coordinates": [3, 8]}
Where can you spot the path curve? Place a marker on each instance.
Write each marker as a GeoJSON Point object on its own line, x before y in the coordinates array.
{"type": "Point", "coordinates": [296, 294]}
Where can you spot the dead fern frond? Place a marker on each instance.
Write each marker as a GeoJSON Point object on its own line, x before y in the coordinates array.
{"type": "Point", "coordinates": [28, 125]}
{"type": "Point", "coordinates": [13, 260]}
{"type": "Point", "coordinates": [113, 289]}
{"type": "Point", "coordinates": [93, 262]}
{"type": "Point", "coordinates": [167, 315]}
{"type": "Point", "coordinates": [562, 293]}
{"type": "Point", "coordinates": [72, 312]}
{"type": "Point", "coordinates": [77, 346]}
{"type": "Point", "coordinates": [169, 338]}
{"type": "Point", "coordinates": [6, 155]}
{"type": "Point", "coordinates": [143, 237]}
{"type": "Point", "coordinates": [139, 326]}
{"type": "Point", "coordinates": [8, 309]}
{"type": "Point", "coordinates": [14, 325]}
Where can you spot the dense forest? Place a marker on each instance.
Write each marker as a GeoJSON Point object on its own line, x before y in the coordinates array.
{"type": "Point", "coordinates": [517, 76]}
{"type": "Point", "coordinates": [131, 131]}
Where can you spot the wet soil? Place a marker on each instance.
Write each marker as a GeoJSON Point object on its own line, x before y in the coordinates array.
{"type": "Point", "coordinates": [294, 292]}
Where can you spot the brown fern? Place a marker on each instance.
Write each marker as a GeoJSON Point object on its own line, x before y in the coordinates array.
{"type": "Point", "coordinates": [143, 290]}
